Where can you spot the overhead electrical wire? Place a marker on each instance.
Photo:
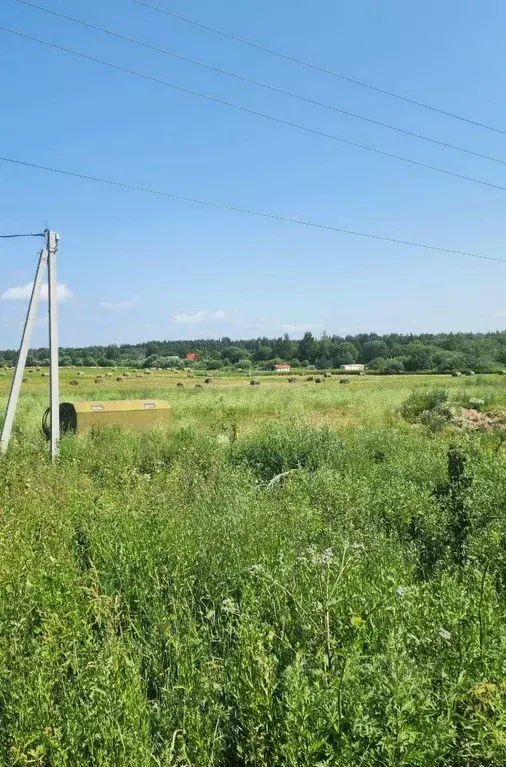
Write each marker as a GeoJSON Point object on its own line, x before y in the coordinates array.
{"type": "Point", "coordinates": [256, 113]}
{"type": "Point", "coordinates": [27, 234]}
{"type": "Point", "coordinates": [324, 70]}
{"type": "Point", "coordinates": [246, 211]}
{"type": "Point", "coordinates": [250, 81]}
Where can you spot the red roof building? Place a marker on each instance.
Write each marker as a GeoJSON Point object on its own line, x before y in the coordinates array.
{"type": "Point", "coordinates": [191, 356]}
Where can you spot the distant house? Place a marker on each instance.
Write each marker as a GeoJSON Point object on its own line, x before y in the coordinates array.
{"type": "Point", "coordinates": [354, 367]}
{"type": "Point", "coordinates": [191, 356]}
{"type": "Point", "coordinates": [281, 368]}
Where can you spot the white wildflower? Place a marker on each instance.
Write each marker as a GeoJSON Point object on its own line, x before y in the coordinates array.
{"type": "Point", "coordinates": [229, 606]}
{"type": "Point", "coordinates": [324, 557]}
{"type": "Point", "coordinates": [327, 556]}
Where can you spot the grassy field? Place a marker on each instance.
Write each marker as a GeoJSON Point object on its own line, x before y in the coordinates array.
{"type": "Point", "coordinates": [164, 602]}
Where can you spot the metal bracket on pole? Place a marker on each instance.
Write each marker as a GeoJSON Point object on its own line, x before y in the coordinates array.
{"type": "Point", "coordinates": [47, 258]}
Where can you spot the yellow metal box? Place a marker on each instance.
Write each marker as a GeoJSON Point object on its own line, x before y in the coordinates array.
{"type": "Point", "coordinates": [139, 414]}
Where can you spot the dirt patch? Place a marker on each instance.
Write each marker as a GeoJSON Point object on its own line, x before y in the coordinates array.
{"type": "Point", "coordinates": [475, 420]}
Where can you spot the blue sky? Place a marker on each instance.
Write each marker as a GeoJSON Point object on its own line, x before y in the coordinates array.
{"type": "Point", "coordinates": [136, 266]}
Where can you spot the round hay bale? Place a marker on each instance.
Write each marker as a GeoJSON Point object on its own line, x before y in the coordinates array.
{"type": "Point", "coordinates": [74, 382]}
{"type": "Point", "coordinates": [99, 380]}
{"type": "Point", "coordinates": [147, 372]}
{"type": "Point", "coordinates": [180, 385]}
{"type": "Point", "coordinates": [501, 373]}
{"type": "Point", "coordinates": [318, 380]}
{"type": "Point", "coordinates": [43, 375]}
{"type": "Point", "coordinates": [292, 379]}
{"type": "Point", "coordinates": [126, 375]}
{"type": "Point", "coordinates": [198, 386]}
{"type": "Point", "coordinates": [310, 378]}
{"type": "Point", "coordinates": [344, 381]}
{"type": "Point", "coordinates": [80, 373]}
{"type": "Point", "coordinates": [25, 380]}
{"type": "Point", "coordinates": [208, 380]}
{"type": "Point", "coordinates": [119, 378]}
{"type": "Point", "coordinates": [456, 374]}
{"type": "Point", "coordinates": [253, 382]}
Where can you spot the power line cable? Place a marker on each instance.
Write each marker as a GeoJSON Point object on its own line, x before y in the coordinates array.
{"type": "Point", "coordinates": [247, 110]}
{"type": "Point", "coordinates": [318, 68]}
{"type": "Point", "coordinates": [236, 209]}
{"type": "Point", "coordinates": [271, 88]}
{"type": "Point", "coordinates": [27, 234]}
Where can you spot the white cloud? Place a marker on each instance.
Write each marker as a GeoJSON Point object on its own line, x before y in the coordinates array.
{"type": "Point", "coordinates": [300, 328]}
{"type": "Point", "coordinates": [118, 306]}
{"type": "Point", "coordinates": [228, 316]}
{"type": "Point", "coordinates": [23, 293]}
{"type": "Point", "coordinates": [183, 317]}
{"type": "Point", "coordinates": [202, 315]}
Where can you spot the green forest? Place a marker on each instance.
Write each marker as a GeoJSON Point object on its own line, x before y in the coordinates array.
{"type": "Point", "coordinates": [394, 353]}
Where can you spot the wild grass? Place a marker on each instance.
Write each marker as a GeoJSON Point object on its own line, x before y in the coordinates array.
{"type": "Point", "coordinates": [163, 603]}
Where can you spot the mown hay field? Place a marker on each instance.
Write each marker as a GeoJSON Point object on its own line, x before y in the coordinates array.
{"type": "Point", "coordinates": [293, 574]}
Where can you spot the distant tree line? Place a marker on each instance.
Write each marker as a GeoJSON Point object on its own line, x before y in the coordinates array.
{"type": "Point", "coordinates": [394, 353]}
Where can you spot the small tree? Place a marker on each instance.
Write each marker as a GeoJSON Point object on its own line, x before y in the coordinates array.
{"type": "Point", "coordinates": [263, 353]}
{"type": "Point", "coordinates": [373, 349]}
{"type": "Point", "coordinates": [150, 360]}
{"type": "Point", "coordinates": [234, 354]}
{"type": "Point", "coordinates": [392, 366]}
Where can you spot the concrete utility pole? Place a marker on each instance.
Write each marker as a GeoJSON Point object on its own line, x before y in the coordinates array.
{"type": "Point", "coordinates": [47, 258]}
{"type": "Point", "coordinates": [54, 373]}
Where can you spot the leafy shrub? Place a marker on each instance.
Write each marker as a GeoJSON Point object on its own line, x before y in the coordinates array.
{"type": "Point", "coordinates": [275, 450]}
{"type": "Point", "coordinates": [424, 401]}
{"type": "Point", "coordinates": [436, 419]}
{"type": "Point", "coordinates": [481, 403]}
